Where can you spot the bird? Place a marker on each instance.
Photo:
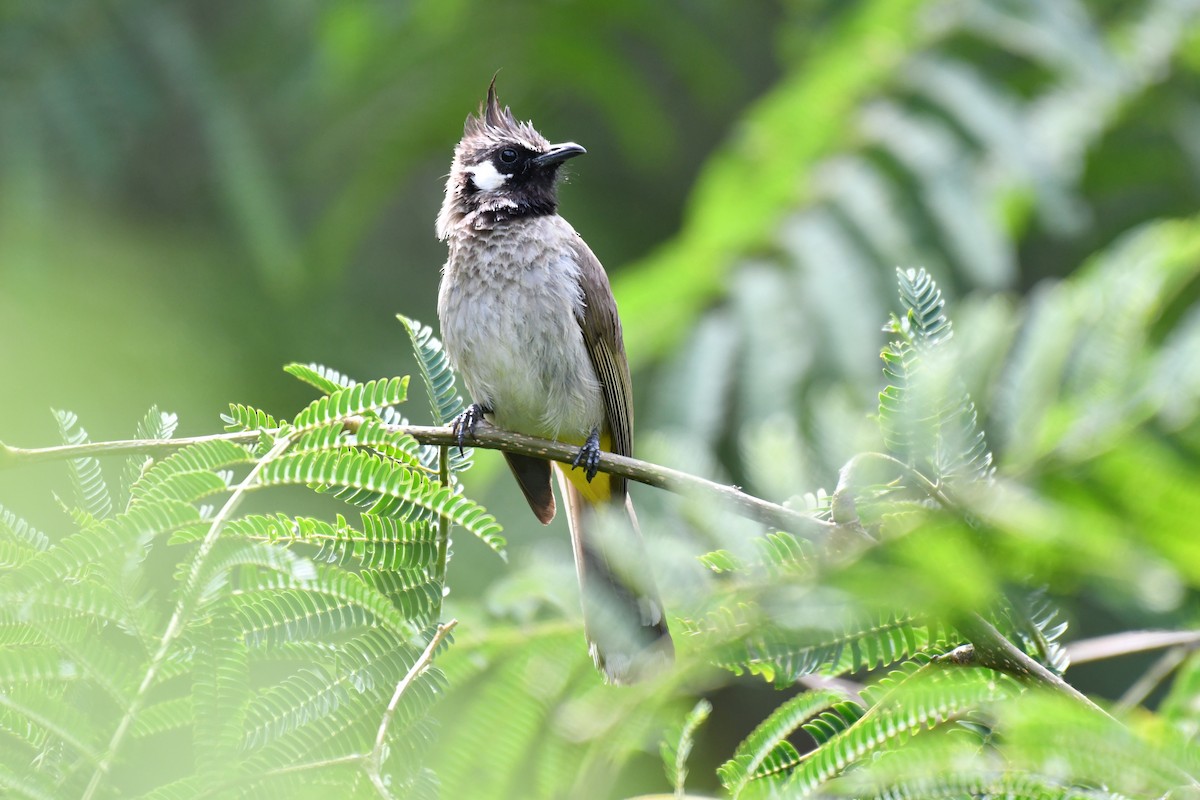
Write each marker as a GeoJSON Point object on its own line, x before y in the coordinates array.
{"type": "Point", "coordinates": [530, 325]}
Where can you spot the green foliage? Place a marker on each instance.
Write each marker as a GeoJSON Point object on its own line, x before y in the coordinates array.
{"type": "Point", "coordinates": [874, 622]}
{"type": "Point", "coordinates": [89, 483]}
{"type": "Point", "coordinates": [677, 749]}
{"type": "Point", "coordinates": [1039, 465]}
{"type": "Point", "coordinates": [273, 640]}
{"type": "Point", "coordinates": [919, 411]}
{"type": "Point", "coordinates": [766, 751]}
{"type": "Point", "coordinates": [435, 369]}
{"type": "Point", "coordinates": [911, 519]}
{"type": "Point", "coordinates": [444, 400]}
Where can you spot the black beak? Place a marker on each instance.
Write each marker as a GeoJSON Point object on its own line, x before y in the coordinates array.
{"type": "Point", "coordinates": [559, 153]}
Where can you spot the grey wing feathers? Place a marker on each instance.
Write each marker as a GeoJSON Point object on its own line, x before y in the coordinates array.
{"type": "Point", "coordinates": [606, 346]}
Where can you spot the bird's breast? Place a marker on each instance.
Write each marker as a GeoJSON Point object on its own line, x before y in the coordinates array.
{"type": "Point", "coordinates": [508, 306]}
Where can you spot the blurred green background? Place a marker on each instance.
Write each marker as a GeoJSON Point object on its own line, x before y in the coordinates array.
{"type": "Point", "coordinates": [193, 194]}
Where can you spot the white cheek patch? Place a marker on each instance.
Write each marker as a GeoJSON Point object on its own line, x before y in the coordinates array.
{"type": "Point", "coordinates": [486, 177]}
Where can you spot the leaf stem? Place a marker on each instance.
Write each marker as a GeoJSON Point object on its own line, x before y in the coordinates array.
{"type": "Point", "coordinates": [374, 760]}
{"type": "Point", "coordinates": [443, 534]}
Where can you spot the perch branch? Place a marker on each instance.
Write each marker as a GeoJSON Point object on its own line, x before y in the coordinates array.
{"type": "Point", "coordinates": [486, 437]}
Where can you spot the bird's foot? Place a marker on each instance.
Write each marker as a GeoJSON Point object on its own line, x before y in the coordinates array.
{"type": "Point", "coordinates": [588, 456]}
{"type": "Point", "coordinates": [465, 423]}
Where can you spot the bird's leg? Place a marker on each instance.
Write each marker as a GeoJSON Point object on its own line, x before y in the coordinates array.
{"type": "Point", "coordinates": [464, 424]}
{"type": "Point", "coordinates": [588, 456]}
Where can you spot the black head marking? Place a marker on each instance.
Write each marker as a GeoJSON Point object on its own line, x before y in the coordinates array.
{"type": "Point", "coordinates": [503, 169]}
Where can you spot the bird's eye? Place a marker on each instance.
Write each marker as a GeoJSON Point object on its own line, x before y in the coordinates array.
{"type": "Point", "coordinates": [508, 155]}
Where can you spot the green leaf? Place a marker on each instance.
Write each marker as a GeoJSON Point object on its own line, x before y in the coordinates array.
{"type": "Point", "coordinates": [927, 417]}
{"type": "Point", "coordinates": [91, 490]}
{"type": "Point", "coordinates": [248, 418]}
{"type": "Point", "coordinates": [210, 457]}
{"type": "Point", "coordinates": [402, 493]}
{"type": "Point", "coordinates": [444, 399]}
{"type": "Point", "coordinates": [320, 377]}
{"type": "Point", "coordinates": [220, 691]}
{"type": "Point", "coordinates": [19, 540]}
{"type": "Point", "coordinates": [912, 701]}
{"type": "Point", "coordinates": [155, 426]}
{"type": "Point", "coordinates": [737, 637]}
{"type": "Point", "coordinates": [766, 750]}
{"type": "Point", "coordinates": [677, 748]}
{"type": "Point", "coordinates": [361, 398]}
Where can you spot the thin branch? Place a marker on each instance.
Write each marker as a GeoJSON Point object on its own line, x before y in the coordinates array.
{"type": "Point", "coordinates": [486, 437]}
{"type": "Point", "coordinates": [1159, 671]}
{"type": "Point", "coordinates": [443, 531]}
{"type": "Point", "coordinates": [11, 457]}
{"type": "Point", "coordinates": [179, 617]}
{"type": "Point", "coordinates": [990, 648]}
{"type": "Point", "coordinates": [1101, 648]}
{"type": "Point", "coordinates": [374, 760]}
{"type": "Point", "coordinates": [660, 477]}
{"type": "Point", "coordinates": [848, 474]}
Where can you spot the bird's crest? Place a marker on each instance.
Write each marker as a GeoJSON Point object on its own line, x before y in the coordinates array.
{"type": "Point", "coordinates": [493, 123]}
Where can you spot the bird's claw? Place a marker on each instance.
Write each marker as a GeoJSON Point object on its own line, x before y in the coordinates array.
{"type": "Point", "coordinates": [465, 423]}
{"type": "Point", "coordinates": [588, 456]}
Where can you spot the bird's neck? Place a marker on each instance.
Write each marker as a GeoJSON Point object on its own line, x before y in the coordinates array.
{"type": "Point", "coordinates": [468, 215]}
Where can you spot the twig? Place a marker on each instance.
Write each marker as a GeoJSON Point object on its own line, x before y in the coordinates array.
{"type": "Point", "coordinates": [990, 648]}
{"type": "Point", "coordinates": [1163, 666]}
{"type": "Point", "coordinates": [487, 437]}
{"type": "Point", "coordinates": [660, 477]}
{"type": "Point", "coordinates": [374, 759]}
{"type": "Point", "coordinates": [1122, 644]}
{"type": "Point", "coordinates": [23, 456]}
{"type": "Point", "coordinates": [443, 531]}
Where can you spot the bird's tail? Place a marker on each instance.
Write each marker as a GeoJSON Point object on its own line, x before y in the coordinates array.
{"type": "Point", "coordinates": [622, 614]}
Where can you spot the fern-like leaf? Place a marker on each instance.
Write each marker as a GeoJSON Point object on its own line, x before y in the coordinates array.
{"type": "Point", "coordinates": [415, 592]}
{"type": "Point", "coordinates": [401, 493]}
{"type": "Point", "coordinates": [444, 399]}
{"type": "Point", "coordinates": [357, 399]}
{"type": "Point", "coordinates": [927, 417]}
{"type": "Point", "coordinates": [676, 749]}
{"type": "Point", "coordinates": [766, 751]}
{"type": "Point", "coordinates": [248, 418]}
{"type": "Point", "coordinates": [155, 426]}
{"type": "Point", "coordinates": [320, 377]}
{"type": "Point", "coordinates": [90, 486]}
{"type": "Point", "coordinates": [221, 691]}
{"type": "Point", "coordinates": [740, 639]}
{"type": "Point", "coordinates": [397, 446]}
{"type": "Point", "coordinates": [916, 701]}
{"type": "Point", "coordinates": [272, 617]}
{"type": "Point", "coordinates": [828, 724]}
{"type": "Point", "coordinates": [19, 540]}
{"type": "Point", "coordinates": [440, 383]}
{"type": "Point", "coordinates": [211, 456]}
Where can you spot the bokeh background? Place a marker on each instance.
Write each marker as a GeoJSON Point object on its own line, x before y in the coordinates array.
{"type": "Point", "coordinates": [193, 194]}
